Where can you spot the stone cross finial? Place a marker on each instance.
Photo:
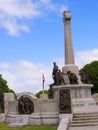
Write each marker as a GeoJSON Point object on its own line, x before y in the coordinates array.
{"type": "Point", "coordinates": [69, 54]}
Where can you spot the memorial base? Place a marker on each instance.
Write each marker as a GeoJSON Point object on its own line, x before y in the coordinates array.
{"type": "Point", "coordinates": [77, 98]}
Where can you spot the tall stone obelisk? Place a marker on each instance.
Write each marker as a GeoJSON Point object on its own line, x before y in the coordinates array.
{"type": "Point", "coordinates": [69, 53]}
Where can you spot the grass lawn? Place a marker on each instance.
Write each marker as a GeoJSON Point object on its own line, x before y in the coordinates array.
{"type": "Point", "coordinates": [3, 127]}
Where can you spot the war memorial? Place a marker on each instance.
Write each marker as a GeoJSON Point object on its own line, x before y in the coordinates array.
{"type": "Point", "coordinates": [72, 106]}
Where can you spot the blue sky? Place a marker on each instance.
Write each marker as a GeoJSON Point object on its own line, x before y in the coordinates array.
{"type": "Point", "coordinates": [32, 37]}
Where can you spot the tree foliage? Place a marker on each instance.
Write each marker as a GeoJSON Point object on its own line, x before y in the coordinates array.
{"type": "Point", "coordinates": [92, 70]}
{"type": "Point", "coordinates": [45, 92]}
{"type": "Point", "coordinates": [4, 87]}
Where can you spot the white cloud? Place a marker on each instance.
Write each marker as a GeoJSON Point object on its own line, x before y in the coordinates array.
{"type": "Point", "coordinates": [27, 76]}
{"type": "Point", "coordinates": [81, 58]}
{"type": "Point", "coordinates": [17, 8]}
{"type": "Point", "coordinates": [84, 57]}
{"type": "Point", "coordinates": [14, 13]}
{"type": "Point", "coordinates": [13, 27]}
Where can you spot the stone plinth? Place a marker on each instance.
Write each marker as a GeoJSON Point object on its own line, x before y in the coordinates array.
{"type": "Point", "coordinates": [7, 98]}
{"type": "Point", "coordinates": [79, 95]}
{"type": "Point", "coordinates": [43, 96]}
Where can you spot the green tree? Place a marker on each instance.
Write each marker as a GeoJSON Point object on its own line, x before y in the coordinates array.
{"type": "Point", "coordinates": [3, 89]}
{"type": "Point", "coordinates": [92, 71]}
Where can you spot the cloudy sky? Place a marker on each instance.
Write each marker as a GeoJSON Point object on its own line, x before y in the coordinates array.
{"type": "Point", "coordinates": [32, 38]}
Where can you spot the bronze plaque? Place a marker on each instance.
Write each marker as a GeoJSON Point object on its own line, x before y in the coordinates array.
{"type": "Point", "coordinates": [64, 102]}
{"type": "Point", "coordinates": [25, 105]}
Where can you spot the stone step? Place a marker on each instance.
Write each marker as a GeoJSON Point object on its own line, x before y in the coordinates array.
{"type": "Point", "coordinates": [83, 124]}
{"type": "Point", "coordinates": [84, 119]}
{"type": "Point", "coordinates": [85, 114]}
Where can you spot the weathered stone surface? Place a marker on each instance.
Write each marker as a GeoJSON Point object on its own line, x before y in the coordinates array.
{"type": "Point", "coordinates": [17, 120]}
{"type": "Point", "coordinates": [49, 106]}
{"type": "Point", "coordinates": [44, 119]}
{"type": "Point", "coordinates": [13, 107]}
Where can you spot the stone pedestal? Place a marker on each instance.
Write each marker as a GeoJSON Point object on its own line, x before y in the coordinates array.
{"type": "Point", "coordinates": [78, 98]}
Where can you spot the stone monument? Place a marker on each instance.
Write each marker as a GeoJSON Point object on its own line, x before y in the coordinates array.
{"type": "Point", "coordinates": [71, 95]}
{"type": "Point", "coordinates": [74, 96]}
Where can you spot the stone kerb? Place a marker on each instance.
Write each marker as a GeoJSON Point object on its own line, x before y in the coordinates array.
{"type": "Point", "coordinates": [63, 124]}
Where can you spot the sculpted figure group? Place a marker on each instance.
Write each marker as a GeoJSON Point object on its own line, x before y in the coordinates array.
{"type": "Point", "coordinates": [58, 76]}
